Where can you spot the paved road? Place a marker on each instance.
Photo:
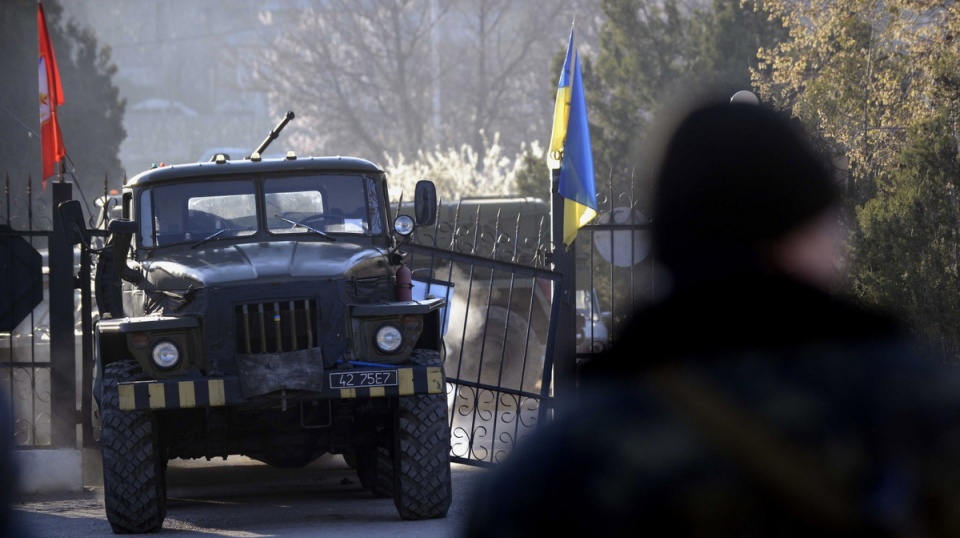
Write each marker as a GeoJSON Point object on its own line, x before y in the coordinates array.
{"type": "Point", "coordinates": [243, 498]}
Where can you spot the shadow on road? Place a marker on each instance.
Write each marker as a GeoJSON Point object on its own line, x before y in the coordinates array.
{"type": "Point", "coordinates": [244, 498]}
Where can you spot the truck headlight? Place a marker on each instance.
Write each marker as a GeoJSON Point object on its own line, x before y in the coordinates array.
{"type": "Point", "coordinates": [165, 354]}
{"type": "Point", "coordinates": [403, 225]}
{"type": "Point", "coordinates": [388, 339]}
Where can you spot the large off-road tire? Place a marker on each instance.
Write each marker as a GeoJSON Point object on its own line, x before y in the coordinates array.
{"type": "Point", "coordinates": [375, 470]}
{"type": "Point", "coordinates": [134, 464]}
{"type": "Point", "coordinates": [421, 456]}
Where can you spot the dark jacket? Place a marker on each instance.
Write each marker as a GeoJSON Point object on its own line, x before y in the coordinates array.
{"type": "Point", "coordinates": [754, 406]}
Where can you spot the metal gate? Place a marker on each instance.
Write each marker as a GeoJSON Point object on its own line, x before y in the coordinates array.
{"type": "Point", "coordinates": [486, 256]}
{"type": "Point", "coordinates": [490, 258]}
{"type": "Point", "coordinates": [616, 272]}
{"type": "Point", "coordinates": [41, 335]}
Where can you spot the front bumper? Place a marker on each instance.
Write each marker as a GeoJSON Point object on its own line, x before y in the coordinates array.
{"type": "Point", "coordinates": [226, 391]}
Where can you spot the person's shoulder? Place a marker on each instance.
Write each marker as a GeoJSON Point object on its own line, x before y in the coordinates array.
{"type": "Point", "coordinates": [743, 311]}
{"type": "Point", "coordinates": [566, 464]}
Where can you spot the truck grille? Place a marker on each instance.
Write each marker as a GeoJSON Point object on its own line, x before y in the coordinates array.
{"type": "Point", "coordinates": [276, 327]}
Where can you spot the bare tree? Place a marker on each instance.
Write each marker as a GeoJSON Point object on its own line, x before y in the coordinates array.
{"type": "Point", "coordinates": [397, 76]}
{"type": "Point", "coordinates": [355, 71]}
{"type": "Point", "coordinates": [504, 79]}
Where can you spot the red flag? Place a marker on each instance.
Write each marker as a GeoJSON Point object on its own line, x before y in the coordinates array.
{"type": "Point", "coordinates": [51, 96]}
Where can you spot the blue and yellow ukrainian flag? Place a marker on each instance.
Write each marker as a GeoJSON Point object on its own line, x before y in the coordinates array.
{"type": "Point", "coordinates": [561, 110]}
{"type": "Point", "coordinates": [570, 148]}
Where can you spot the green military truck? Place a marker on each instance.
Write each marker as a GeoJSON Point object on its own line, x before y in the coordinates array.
{"type": "Point", "coordinates": [262, 307]}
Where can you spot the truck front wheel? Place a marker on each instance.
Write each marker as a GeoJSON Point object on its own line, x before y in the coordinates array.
{"type": "Point", "coordinates": [134, 468]}
{"type": "Point", "coordinates": [421, 457]}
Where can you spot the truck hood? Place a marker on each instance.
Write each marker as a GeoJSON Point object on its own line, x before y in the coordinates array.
{"type": "Point", "coordinates": [262, 261]}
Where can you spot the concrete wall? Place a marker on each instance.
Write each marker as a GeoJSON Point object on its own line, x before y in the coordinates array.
{"type": "Point", "coordinates": [51, 472]}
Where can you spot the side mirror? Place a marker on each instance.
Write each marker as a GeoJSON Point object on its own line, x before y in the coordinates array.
{"type": "Point", "coordinates": [74, 229]}
{"type": "Point", "coordinates": [425, 203]}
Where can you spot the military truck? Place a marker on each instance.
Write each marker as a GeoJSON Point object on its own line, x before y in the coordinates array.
{"type": "Point", "coordinates": [262, 307]}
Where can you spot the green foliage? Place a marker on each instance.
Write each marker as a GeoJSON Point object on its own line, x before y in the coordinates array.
{"type": "Point", "coordinates": [652, 53]}
{"type": "Point", "coordinates": [642, 53]}
{"type": "Point", "coordinates": [908, 250]}
{"type": "Point", "coordinates": [91, 118]}
{"type": "Point", "coordinates": [532, 177]}
{"type": "Point", "coordinates": [725, 42]}
{"type": "Point", "coordinates": [878, 81]}
{"type": "Point", "coordinates": [860, 73]}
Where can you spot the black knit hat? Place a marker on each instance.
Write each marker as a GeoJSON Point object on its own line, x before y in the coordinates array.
{"type": "Point", "coordinates": [733, 176]}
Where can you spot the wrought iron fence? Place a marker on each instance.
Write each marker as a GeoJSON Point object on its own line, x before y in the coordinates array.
{"type": "Point", "coordinates": [490, 256]}
{"type": "Point", "coordinates": [25, 365]}
{"type": "Point", "coordinates": [486, 256]}
{"type": "Point", "coordinates": [43, 374]}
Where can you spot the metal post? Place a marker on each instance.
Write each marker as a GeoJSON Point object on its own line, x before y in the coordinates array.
{"type": "Point", "coordinates": [63, 383]}
{"type": "Point", "coordinates": [565, 356]}
{"type": "Point", "coordinates": [86, 372]}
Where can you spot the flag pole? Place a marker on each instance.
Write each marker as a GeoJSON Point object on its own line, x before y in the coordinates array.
{"type": "Point", "coordinates": [565, 341]}
{"type": "Point", "coordinates": [573, 204]}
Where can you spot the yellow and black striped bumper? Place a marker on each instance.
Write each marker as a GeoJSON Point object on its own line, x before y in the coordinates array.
{"type": "Point", "coordinates": [226, 391]}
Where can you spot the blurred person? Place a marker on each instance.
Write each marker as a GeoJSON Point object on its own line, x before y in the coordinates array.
{"type": "Point", "coordinates": [752, 399]}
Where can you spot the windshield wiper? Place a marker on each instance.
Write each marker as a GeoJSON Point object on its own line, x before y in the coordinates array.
{"type": "Point", "coordinates": [322, 234]}
{"type": "Point", "coordinates": [209, 237]}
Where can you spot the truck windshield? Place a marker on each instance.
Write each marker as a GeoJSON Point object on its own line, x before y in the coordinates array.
{"type": "Point", "coordinates": [198, 213]}
{"type": "Point", "coordinates": [182, 213]}
{"type": "Point", "coordinates": [327, 203]}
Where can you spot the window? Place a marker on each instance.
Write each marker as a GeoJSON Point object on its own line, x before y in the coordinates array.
{"type": "Point", "coordinates": [180, 213]}
{"type": "Point", "coordinates": [330, 204]}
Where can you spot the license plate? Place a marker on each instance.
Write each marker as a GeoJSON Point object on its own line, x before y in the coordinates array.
{"type": "Point", "coordinates": [377, 378]}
